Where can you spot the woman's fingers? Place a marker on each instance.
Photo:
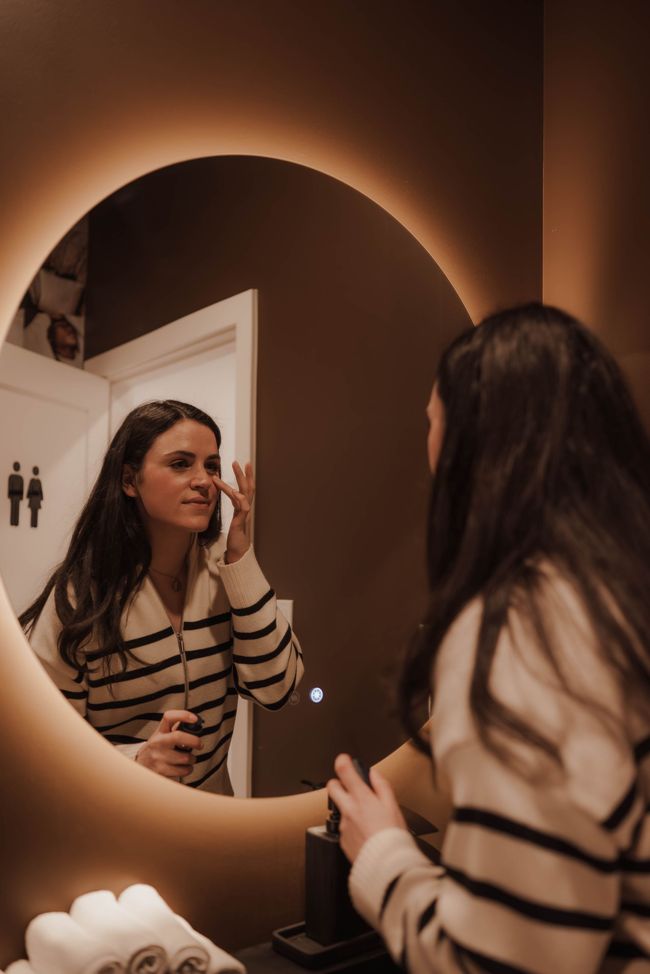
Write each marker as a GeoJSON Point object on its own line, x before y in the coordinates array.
{"type": "Point", "coordinates": [238, 499]}
{"type": "Point", "coordinates": [239, 477]}
{"type": "Point", "coordinates": [348, 774]}
{"type": "Point", "coordinates": [186, 740]}
{"type": "Point", "coordinates": [245, 479]}
{"type": "Point", "coordinates": [171, 717]}
{"type": "Point", "coordinates": [339, 795]}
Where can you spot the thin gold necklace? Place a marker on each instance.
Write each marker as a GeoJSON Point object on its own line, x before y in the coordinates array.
{"type": "Point", "coordinates": [177, 584]}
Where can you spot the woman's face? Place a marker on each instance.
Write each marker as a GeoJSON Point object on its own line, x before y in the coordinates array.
{"type": "Point", "coordinates": [174, 486]}
{"type": "Point", "coordinates": [436, 415]}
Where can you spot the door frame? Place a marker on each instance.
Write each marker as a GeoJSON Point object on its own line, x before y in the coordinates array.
{"type": "Point", "coordinates": [232, 321]}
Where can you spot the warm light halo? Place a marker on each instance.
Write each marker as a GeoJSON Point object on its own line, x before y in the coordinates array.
{"type": "Point", "coordinates": [44, 244]}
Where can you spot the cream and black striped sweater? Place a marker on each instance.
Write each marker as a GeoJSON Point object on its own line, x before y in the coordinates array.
{"type": "Point", "coordinates": [543, 872]}
{"type": "Point", "coordinates": [234, 641]}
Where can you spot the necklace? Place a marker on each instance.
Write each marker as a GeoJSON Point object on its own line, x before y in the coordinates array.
{"type": "Point", "coordinates": [177, 584]}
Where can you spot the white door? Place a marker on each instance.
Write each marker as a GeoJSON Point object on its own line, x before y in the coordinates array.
{"type": "Point", "coordinates": [56, 420]}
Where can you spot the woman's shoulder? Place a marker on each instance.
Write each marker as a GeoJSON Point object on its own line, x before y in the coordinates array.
{"type": "Point", "coordinates": [548, 643]}
{"type": "Point", "coordinates": [549, 671]}
{"type": "Point", "coordinates": [43, 635]}
{"type": "Point", "coordinates": [452, 722]}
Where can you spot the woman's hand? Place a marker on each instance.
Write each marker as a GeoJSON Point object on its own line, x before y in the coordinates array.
{"type": "Point", "coordinates": [159, 754]}
{"type": "Point", "coordinates": [364, 811]}
{"type": "Point", "coordinates": [238, 542]}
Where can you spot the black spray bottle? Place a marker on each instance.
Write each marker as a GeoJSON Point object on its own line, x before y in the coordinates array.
{"type": "Point", "coordinates": [329, 914]}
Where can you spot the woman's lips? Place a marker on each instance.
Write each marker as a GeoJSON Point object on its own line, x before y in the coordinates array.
{"type": "Point", "coordinates": [198, 503]}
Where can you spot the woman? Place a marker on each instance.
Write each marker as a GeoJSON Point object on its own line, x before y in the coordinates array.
{"type": "Point", "coordinates": [151, 620]}
{"type": "Point", "coordinates": [537, 642]}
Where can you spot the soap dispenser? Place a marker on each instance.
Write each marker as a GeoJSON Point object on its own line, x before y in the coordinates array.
{"type": "Point", "coordinates": [329, 914]}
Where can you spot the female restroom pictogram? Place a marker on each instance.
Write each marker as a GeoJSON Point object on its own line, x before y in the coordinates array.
{"type": "Point", "coordinates": [35, 496]}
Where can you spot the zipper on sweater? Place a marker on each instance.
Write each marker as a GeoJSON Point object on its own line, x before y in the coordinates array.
{"type": "Point", "coordinates": [186, 681]}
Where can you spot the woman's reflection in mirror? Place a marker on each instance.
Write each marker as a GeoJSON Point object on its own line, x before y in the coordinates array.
{"type": "Point", "coordinates": [153, 618]}
{"type": "Point", "coordinates": [536, 650]}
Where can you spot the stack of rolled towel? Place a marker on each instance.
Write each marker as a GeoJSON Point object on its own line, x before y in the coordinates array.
{"type": "Point", "coordinates": [137, 933]}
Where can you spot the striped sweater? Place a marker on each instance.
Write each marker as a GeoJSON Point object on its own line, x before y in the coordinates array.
{"type": "Point", "coordinates": [234, 642]}
{"type": "Point", "coordinates": [545, 871]}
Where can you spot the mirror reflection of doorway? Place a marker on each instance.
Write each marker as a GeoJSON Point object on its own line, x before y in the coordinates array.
{"type": "Point", "coordinates": [63, 420]}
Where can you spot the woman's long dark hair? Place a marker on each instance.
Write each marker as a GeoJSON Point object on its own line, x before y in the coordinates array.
{"type": "Point", "coordinates": [109, 554]}
{"type": "Point", "coordinates": [544, 460]}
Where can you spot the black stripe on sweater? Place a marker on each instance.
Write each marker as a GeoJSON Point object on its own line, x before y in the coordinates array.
{"type": "Point", "coordinates": [510, 827]}
{"type": "Point", "coordinates": [258, 633]}
{"type": "Point", "coordinates": [211, 730]}
{"type": "Point", "coordinates": [162, 692]}
{"type": "Point", "coordinates": [487, 963]}
{"type": "Point", "coordinates": [638, 866]}
{"type": "Point", "coordinates": [388, 892]}
{"type": "Point", "coordinates": [75, 694]}
{"type": "Point", "coordinates": [203, 681]}
{"type": "Point", "coordinates": [250, 609]}
{"type": "Point", "coordinates": [208, 651]}
{"type": "Point", "coordinates": [123, 739]}
{"type": "Point", "coordinates": [161, 665]}
{"type": "Point", "coordinates": [265, 657]}
{"type": "Point", "coordinates": [618, 948]}
{"type": "Point", "coordinates": [140, 718]}
{"type": "Point", "coordinates": [130, 644]}
{"type": "Point", "coordinates": [206, 623]}
{"type": "Point", "coordinates": [197, 784]}
{"type": "Point", "coordinates": [201, 758]}
{"type": "Point", "coordinates": [135, 701]}
{"type": "Point", "coordinates": [538, 911]}
{"type": "Point", "coordinates": [278, 704]}
{"type": "Point", "coordinates": [158, 715]}
{"type": "Point", "coordinates": [269, 681]}
{"type": "Point", "coordinates": [642, 749]}
{"type": "Point", "coordinates": [127, 675]}
{"type": "Point", "coordinates": [621, 811]}
{"type": "Point", "coordinates": [427, 915]}
{"type": "Point", "coordinates": [638, 909]}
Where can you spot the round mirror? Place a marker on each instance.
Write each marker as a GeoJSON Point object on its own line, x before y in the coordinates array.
{"type": "Point", "coordinates": [316, 320]}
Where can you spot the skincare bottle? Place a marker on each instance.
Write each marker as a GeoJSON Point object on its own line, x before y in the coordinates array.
{"type": "Point", "coordinates": [329, 914]}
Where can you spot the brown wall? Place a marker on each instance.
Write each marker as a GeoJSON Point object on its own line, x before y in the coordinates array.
{"type": "Point", "coordinates": [431, 109]}
{"type": "Point", "coordinates": [596, 164]}
{"type": "Point", "coordinates": [353, 314]}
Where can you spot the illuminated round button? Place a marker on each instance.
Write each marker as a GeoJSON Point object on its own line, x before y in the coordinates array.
{"type": "Point", "coordinates": [316, 695]}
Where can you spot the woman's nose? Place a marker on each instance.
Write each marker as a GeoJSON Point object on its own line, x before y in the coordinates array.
{"type": "Point", "coordinates": [200, 480]}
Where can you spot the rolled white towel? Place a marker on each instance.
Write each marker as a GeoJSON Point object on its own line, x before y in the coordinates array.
{"type": "Point", "coordinates": [57, 944]}
{"type": "Point", "coordinates": [221, 962]}
{"type": "Point", "coordinates": [186, 954]}
{"type": "Point", "coordinates": [101, 915]}
{"type": "Point", "coordinates": [20, 967]}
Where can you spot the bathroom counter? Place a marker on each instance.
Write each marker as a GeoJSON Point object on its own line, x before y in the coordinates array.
{"type": "Point", "coordinates": [263, 959]}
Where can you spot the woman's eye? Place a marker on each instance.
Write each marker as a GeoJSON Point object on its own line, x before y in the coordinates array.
{"type": "Point", "coordinates": [179, 464]}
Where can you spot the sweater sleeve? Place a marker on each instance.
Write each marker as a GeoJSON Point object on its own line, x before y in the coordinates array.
{"type": "Point", "coordinates": [44, 638]}
{"type": "Point", "coordinates": [267, 657]}
{"type": "Point", "coordinates": [530, 875]}
{"type": "Point", "coordinates": [528, 881]}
